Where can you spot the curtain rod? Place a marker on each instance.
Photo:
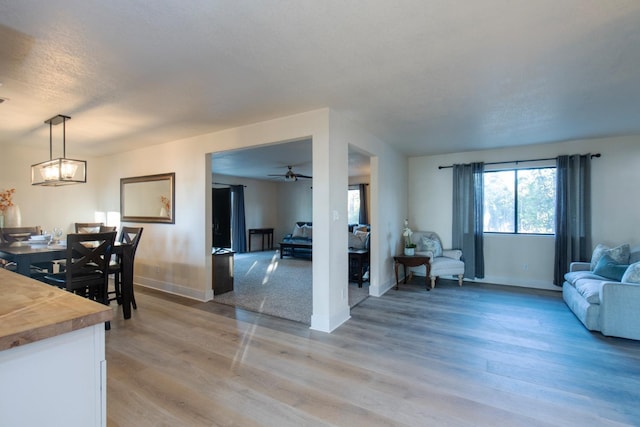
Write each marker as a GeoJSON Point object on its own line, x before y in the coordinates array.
{"type": "Point", "coordinates": [519, 161]}
{"type": "Point", "coordinates": [230, 185]}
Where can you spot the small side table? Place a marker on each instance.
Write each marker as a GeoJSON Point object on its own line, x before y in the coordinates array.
{"type": "Point", "coordinates": [358, 256]}
{"type": "Point", "coordinates": [412, 261]}
{"type": "Point", "coordinates": [262, 232]}
{"type": "Point", "coordinates": [222, 271]}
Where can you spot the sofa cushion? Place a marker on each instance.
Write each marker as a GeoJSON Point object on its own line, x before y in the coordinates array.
{"type": "Point", "coordinates": [620, 254]}
{"type": "Point", "coordinates": [609, 269]}
{"type": "Point", "coordinates": [590, 289]}
{"type": "Point", "coordinates": [632, 275]}
{"type": "Point", "coordinates": [431, 245]}
{"type": "Point", "coordinates": [574, 276]}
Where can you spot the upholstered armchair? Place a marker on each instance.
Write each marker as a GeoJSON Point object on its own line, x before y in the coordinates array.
{"type": "Point", "coordinates": [444, 262]}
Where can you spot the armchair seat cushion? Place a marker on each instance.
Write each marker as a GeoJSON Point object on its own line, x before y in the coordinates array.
{"type": "Point", "coordinates": [444, 262]}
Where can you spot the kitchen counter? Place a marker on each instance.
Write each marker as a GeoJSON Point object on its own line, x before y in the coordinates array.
{"type": "Point", "coordinates": [31, 311]}
{"type": "Point", "coordinates": [52, 355]}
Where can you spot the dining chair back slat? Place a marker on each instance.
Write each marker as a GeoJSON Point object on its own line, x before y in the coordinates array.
{"type": "Point", "coordinates": [89, 227]}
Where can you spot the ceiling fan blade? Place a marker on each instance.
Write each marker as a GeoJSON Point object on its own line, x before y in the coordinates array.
{"type": "Point", "coordinates": [303, 176]}
{"type": "Point", "coordinates": [276, 175]}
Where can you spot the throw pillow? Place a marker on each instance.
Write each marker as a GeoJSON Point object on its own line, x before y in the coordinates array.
{"type": "Point", "coordinates": [307, 231]}
{"type": "Point", "coordinates": [364, 236]}
{"type": "Point", "coordinates": [632, 275]}
{"type": "Point", "coordinates": [609, 269]}
{"type": "Point", "coordinates": [297, 231]}
{"type": "Point", "coordinates": [432, 245]}
{"type": "Point", "coordinates": [620, 254]}
{"type": "Point", "coordinates": [359, 228]}
{"type": "Point", "coordinates": [356, 241]}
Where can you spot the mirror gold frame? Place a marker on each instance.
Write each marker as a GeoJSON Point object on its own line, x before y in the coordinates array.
{"type": "Point", "coordinates": [149, 198]}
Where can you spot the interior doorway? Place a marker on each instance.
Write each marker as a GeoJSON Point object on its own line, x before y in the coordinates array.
{"type": "Point", "coordinates": [221, 217]}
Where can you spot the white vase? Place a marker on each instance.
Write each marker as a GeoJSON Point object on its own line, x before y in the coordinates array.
{"type": "Point", "coordinates": [409, 251]}
{"type": "Point", "coordinates": [164, 213]}
{"type": "Point", "coordinates": [12, 216]}
{"type": "Point", "coordinates": [1, 220]}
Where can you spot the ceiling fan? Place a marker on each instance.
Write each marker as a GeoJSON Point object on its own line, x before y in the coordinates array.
{"type": "Point", "coordinates": [290, 176]}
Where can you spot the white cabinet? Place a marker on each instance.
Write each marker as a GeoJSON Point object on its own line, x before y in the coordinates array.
{"type": "Point", "coordinates": [58, 381]}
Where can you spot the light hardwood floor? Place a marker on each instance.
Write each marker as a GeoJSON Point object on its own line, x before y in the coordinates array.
{"type": "Point", "coordinates": [479, 355]}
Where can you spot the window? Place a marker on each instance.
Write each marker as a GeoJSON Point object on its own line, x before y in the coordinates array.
{"type": "Point", "coordinates": [520, 201]}
{"type": "Point", "coordinates": [353, 214]}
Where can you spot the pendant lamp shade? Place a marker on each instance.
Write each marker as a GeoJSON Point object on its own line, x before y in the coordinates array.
{"type": "Point", "coordinates": [60, 171]}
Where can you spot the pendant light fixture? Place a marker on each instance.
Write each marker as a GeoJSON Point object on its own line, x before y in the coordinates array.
{"type": "Point", "coordinates": [60, 171]}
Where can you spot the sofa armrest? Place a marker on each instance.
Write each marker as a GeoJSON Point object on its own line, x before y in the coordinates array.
{"type": "Point", "coordinates": [579, 266]}
{"type": "Point", "coordinates": [452, 253]}
{"type": "Point", "coordinates": [619, 313]}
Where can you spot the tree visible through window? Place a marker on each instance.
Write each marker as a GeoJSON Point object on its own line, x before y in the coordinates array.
{"type": "Point", "coordinates": [520, 201]}
{"type": "Point", "coordinates": [353, 215]}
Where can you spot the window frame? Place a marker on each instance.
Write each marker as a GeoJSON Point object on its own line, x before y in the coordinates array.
{"type": "Point", "coordinates": [349, 189]}
{"type": "Point", "coordinates": [516, 221]}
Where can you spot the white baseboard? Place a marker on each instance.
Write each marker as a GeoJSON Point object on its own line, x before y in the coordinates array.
{"type": "Point", "coordinates": [174, 289]}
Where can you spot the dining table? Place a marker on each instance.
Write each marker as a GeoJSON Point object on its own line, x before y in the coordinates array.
{"type": "Point", "coordinates": [26, 253]}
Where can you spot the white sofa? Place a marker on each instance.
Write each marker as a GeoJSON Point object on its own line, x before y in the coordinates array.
{"type": "Point", "coordinates": [444, 262]}
{"type": "Point", "coordinates": [601, 299]}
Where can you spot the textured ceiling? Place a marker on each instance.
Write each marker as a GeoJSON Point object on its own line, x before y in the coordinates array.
{"type": "Point", "coordinates": [426, 76]}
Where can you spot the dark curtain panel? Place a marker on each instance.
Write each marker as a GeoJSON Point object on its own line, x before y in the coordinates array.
{"type": "Point", "coordinates": [364, 215]}
{"type": "Point", "coordinates": [467, 217]}
{"type": "Point", "coordinates": [573, 213]}
{"type": "Point", "coordinates": [238, 227]}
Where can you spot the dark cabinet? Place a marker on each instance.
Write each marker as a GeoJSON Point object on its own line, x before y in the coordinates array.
{"type": "Point", "coordinates": [222, 271]}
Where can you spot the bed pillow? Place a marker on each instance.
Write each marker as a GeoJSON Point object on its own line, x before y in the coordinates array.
{"type": "Point", "coordinates": [609, 269]}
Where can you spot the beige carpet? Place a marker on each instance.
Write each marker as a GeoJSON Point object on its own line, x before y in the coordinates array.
{"type": "Point", "coordinates": [279, 287]}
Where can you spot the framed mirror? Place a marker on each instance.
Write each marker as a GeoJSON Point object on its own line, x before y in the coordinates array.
{"type": "Point", "coordinates": [148, 198]}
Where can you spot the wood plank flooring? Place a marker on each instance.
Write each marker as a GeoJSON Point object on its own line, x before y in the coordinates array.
{"type": "Point", "coordinates": [479, 355]}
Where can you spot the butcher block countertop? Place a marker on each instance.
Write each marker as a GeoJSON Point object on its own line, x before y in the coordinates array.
{"type": "Point", "coordinates": [31, 311]}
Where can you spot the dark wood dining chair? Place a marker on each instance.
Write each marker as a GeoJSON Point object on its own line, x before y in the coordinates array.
{"type": "Point", "coordinates": [21, 234]}
{"type": "Point", "coordinates": [86, 266]}
{"type": "Point", "coordinates": [128, 235]}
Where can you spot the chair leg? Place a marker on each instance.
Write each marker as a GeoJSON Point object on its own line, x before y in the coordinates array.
{"type": "Point", "coordinates": [133, 300]}
{"type": "Point", "coordinates": [460, 277]}
{"type": "Point", "coordinates": [116, 285]}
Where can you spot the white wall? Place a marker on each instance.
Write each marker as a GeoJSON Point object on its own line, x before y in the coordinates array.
{"type": "Point", "coordinates": [387, 201]}
{"type": "Point", "coordinates": [528, 260]}
{"type": "Point", "coordinates": [295, 203]}
{"type": "Point", "coordinates": [260, 210]}
{"type": "Point", "coordinates": [176, 257]}
{"type": "Point", "coordinates": [272, 204]}
{"type": "Point", "coordinates": [47, 206]}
